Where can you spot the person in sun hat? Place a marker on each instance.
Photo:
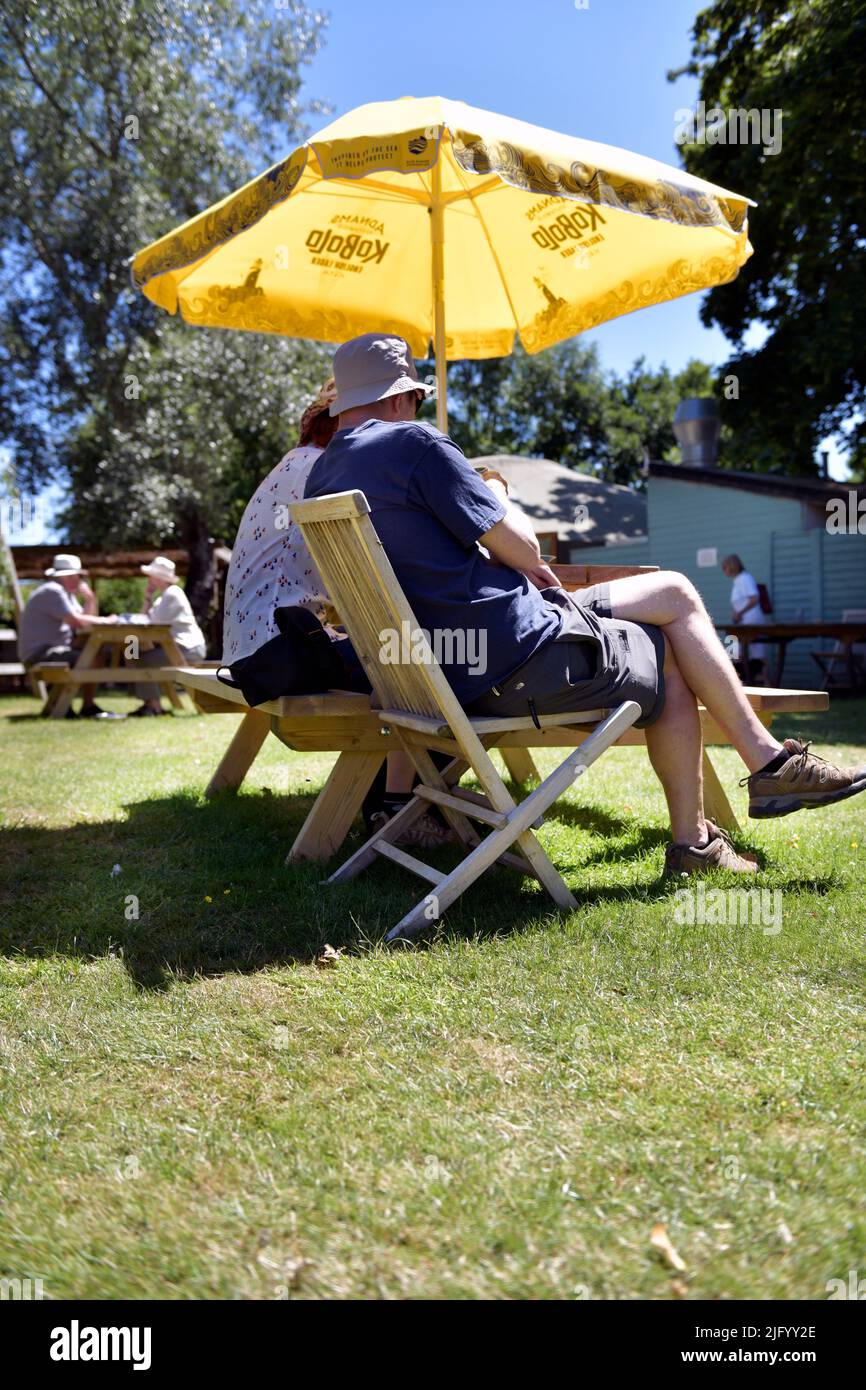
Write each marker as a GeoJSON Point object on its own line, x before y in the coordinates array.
{"type": "Point", "coordinates": [166, 602]}
{"type": "Point", "coordinates": [55, 612]}
{"type": "Point", "coordinates": [468, 562]}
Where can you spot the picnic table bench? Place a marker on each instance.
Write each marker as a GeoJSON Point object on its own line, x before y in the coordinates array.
{"type": "Point", "coordinates": [65, 682]}
{"type": "Point", "coordinates": [345, 723]}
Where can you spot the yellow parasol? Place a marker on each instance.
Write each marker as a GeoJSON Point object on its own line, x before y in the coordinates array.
{"type": "Point", "coordinates": [401, 208]}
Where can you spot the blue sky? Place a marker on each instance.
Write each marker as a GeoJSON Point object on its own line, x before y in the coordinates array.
{"type": "Point", "coordinates": [594, 68]}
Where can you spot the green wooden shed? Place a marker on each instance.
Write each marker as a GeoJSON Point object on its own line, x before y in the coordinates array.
{"type": "Point", "coordinates": [805, 538]}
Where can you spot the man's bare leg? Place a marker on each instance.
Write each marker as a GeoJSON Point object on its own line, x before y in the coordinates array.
{"type": "Point", "coordinates": [674, 745]}
{"type": "Point", "coordinates": [671, 602]}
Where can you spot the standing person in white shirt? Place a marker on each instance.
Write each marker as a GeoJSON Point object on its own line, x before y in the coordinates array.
{"type": "Point", "coordinates": [746, 608]}
{"type": "Point", "coordinates": [166, 602]}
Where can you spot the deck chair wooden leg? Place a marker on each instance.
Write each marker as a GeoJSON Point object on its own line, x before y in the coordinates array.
{"type": "Point", "coordinates": [396, 826]}
{"type": "Point", "coordinates": [520, 764]}
{"type": "Point", "coordinates": [389, 832]}
{"type": "Point", "coordinates": [516, 827]}
{"type": "Point", "coordinates": [716, 803]}
{"type": "Point", "coordinates": [336, 806]}
{"type": "Point", "coordinates": [426, 769]}
{"type": "Point", "coordinates": [241, 753]}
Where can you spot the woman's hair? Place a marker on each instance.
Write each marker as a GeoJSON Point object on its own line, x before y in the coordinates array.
{"type": "Point", "coordinates": [317, 426]}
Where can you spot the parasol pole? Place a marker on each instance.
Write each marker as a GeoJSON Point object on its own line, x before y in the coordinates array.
{"type": "Point", "coordinates": [437, 236]}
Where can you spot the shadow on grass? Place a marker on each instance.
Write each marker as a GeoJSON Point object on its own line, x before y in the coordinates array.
{"type": "Point", "coordinates": [202, 887]}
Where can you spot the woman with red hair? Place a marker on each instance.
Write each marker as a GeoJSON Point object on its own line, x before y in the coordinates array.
{"type": "Point", "coordinates": [272, 568]}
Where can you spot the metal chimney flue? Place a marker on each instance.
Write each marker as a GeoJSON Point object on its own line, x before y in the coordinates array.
{"type": "Point", "coordinates": [696, 426]}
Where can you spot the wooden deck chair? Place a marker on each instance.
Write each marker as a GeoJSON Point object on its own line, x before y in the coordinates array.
{"type": "Point", "coordinates": [419, 707]}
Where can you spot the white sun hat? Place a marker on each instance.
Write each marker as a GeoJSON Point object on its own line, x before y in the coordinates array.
{"type": "Point", "coordinates": [64, 564]}
{"type": "Point", "coordinates": [161, 568]}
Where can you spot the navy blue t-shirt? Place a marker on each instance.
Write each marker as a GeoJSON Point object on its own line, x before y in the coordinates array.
{"type": "Point", "coordinates": [429, 508]}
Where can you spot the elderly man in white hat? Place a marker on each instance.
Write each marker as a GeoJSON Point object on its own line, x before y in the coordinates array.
{"type": "Point", "coordinates": [166, 602]}
{"type": "Point", "coordinates": [61, 607]}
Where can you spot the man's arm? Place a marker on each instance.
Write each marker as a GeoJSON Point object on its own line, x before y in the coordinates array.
{"type": "Point", "coordinates": [513, 542]}
{"type": "Point", "coordinates": [87, 598]}
{"type": "Point", "coordinates": [750, 603]}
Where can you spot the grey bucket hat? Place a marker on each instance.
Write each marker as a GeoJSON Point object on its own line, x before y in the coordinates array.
{"type": "Point", "coordinates": [373, 367]}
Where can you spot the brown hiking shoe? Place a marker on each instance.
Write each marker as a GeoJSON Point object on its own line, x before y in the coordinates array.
{"type": "Point", "coordinates": [717, 853]}
{"type": "Point", "coordinates": [802, 781]}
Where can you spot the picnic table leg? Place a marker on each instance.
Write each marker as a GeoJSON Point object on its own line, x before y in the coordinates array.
{"type": "Point", "coordinates": [520, 764]}
{"type": "Point", "coordinates": [336, 806]}
{"type": "Point", "coordinates": [72, 687]}
{"type": "Point", "coordinates": [171, 650]}
{"type": "Point", "coordinates": [241, 753]}
{"type": "Point", "coordinates": [716, 803]}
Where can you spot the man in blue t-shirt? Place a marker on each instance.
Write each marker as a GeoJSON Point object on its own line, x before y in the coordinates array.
{"type": "Point", "coordinates": [471, 569]}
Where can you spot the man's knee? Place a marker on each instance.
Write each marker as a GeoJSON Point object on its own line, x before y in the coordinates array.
{"type": "Point", "coordinates": [681, 593]}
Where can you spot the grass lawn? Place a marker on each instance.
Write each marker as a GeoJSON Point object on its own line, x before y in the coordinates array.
{"type": "Point", "coordinates": [191, 1109]}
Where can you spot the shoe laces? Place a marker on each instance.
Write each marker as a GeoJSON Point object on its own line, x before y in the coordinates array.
{"type": "Point", "coordinates": [720, 834]}
{"type": "Point", "coordinates": [800, 760]}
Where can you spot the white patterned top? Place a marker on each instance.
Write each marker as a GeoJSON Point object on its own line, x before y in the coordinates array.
{"type": "Point", "coordinates": [271, 566]}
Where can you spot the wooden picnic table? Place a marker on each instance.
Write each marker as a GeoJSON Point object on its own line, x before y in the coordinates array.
{"type": "Point", "coordinates": [784, 633]}
{"type": "Point", "coordinates": [67, 681]}
{"type": "Point", "coordinates": [345, 723]}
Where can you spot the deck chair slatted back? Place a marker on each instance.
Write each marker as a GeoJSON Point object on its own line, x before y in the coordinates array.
{"type": "Point", "coordinates": [361, 583]}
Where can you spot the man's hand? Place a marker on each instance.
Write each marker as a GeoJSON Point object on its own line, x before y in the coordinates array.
{"type": "Point", "coordinates": [542, 576]}
{"type": "Point", "coordinates": [87, 598]}
{"type": "Point", "coordinates": [490, 475]}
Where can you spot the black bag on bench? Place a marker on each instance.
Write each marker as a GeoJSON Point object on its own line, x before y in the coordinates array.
{"type": "Point", "coordinates": [301, 660]}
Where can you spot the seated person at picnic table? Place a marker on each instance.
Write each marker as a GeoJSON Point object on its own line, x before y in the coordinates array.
{"type": "Point", "coordinates": [646, 638]}
{"type": "Point", "coordinates": [272, 568]}
{"type": "Point", "coordinates": [166, 602]}
{"type": "Point", "coordinates": [61, 607]}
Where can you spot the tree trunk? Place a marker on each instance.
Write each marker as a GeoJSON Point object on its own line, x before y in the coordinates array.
{"type": "Point", "coordinates": [201, 576]}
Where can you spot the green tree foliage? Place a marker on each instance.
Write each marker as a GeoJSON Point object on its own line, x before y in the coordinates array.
{"type": "Point", "coordinates": [561, 405]}
{"type": "Point", "coordinates": [117, 122]}
{"type": "Point", "coordinates": [214, 412]}
{"type": "Point", "coordinates": [806, 283]}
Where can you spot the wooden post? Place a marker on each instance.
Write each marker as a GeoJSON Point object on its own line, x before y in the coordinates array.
{"type": "Point", "coordinates": [437, 238]}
